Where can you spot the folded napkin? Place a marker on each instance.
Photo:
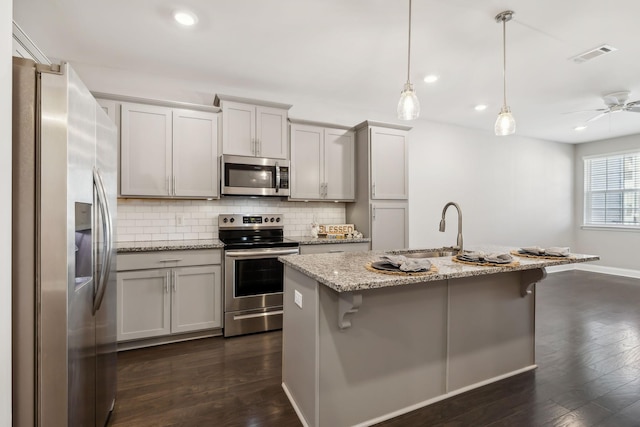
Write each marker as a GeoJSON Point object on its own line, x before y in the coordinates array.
{"type": "Point", "coordinates": [557, 251]}
{"type": "Point", "coordinates": [498, 258]}
{"type": "Point", "coordinates": [407, 264]}
{"type": "Point", "coordinates": [471, 256]}
{"type": "Point", "coordinates": [535, 250]}
{"type": "Point", "coordinates": [552, 251]}
{"type": "Point", "coordinates": [494, 258]}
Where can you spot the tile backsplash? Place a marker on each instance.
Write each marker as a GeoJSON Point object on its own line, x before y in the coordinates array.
{"type": "Point", "coordinates": [145, 220]}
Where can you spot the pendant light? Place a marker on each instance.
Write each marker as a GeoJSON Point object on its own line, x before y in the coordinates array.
{"type": "Point", "coordinates": [505, 124]}
{"type": "Point", "coordinates": [408, 106]}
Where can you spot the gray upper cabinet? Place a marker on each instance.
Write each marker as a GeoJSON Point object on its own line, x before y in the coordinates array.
{"type": "Point", "coordinates": [168, 152]}
{"type": "Point", "coordinates": [195, 154]}
{"type": "Point", "coordinates": [254, 128]}
{"type": "Point", "coordinates": [322, 162]}
{"type": "Point", "coordinates": [145, 151]}
{"type": "Point", "coordinates": [389, 163]}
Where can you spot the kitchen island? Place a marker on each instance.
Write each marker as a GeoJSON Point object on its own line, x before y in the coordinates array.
{"type": "Point", "coordinates": [360, 346]}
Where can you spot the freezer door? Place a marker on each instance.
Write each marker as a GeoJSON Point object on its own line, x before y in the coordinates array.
{"type": "Point", "coordinates": [105, 177]}
{"type": "Point", "coordinates": [66, 358]}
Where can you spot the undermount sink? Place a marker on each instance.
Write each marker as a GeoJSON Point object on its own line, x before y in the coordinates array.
{"type": "Point", "coordinates": [427, 253]}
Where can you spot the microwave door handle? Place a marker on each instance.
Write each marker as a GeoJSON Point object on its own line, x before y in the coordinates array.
{"type": "Point", "coordinates": [277, 177]}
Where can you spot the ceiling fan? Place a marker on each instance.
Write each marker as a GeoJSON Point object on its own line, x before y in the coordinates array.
{"type": "Point", "coordinates": [616, 102]}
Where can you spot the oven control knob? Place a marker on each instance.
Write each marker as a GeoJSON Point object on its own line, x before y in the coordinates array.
{"type": "Point", "coordinates": [277, 219]}
{"type": "Point", "coordinates": [271, 219]}
{"type": "Point", "coordinates": [225, 220]}
{"type": "Point", "coordinates": [232, 220]}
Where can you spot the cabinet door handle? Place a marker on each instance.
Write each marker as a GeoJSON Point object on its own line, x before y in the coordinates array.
{"type": "Point", "coordinates": [173, 282]}
{"type": "Point", "coordinates": [326, 189]}
{"type": "Point", "coordinates": [258, 147]}
{"type": "Point", "coordinates": [166, 283]}
{"type": "Point", "coordinates": [253, 146]}
{"type": "Point", "coordinates": [174, 185]}
{"type": "Point", "coordinates": [168, 186]}
{"type": "Point", "coordinates": [374, 212]}
{"type": "Point", "coordinates": [373, 190]}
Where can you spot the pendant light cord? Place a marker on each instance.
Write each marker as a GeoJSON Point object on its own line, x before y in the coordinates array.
{"type": "Point", "coordinates": [504, 60]}
{"type": "Point", "coordinates": [409, 49]}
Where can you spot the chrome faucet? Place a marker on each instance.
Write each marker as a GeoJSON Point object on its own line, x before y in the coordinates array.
{"type": "Point", "coordinates": [442, 224]}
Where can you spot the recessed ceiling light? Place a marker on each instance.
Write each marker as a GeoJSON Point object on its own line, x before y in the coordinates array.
{"type": "Point", "coordinates": [480, 107]}
{"type": "Point", "coordinates": [185, 18]}
{"type": "Point", "coordinates": [431, 78]}
{"type": "Point", "coordinates": [579, 128]}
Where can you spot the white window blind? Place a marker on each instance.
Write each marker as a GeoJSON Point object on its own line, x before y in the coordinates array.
{"type": "Point", "coordinates": [612, 190]}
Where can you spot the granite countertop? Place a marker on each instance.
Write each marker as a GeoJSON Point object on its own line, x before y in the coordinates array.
{"type": "Point", "coordinates": [168, 245]}
{"type": "Point", "coordinates": [346, 272]}
{"type": "Point", "coordinates": [308, 240]}
{"type": "Point", "coordinates": [178, 245]}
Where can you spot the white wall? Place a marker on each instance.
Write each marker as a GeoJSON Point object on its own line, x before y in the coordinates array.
{"type": "Point", "coordinates": [6, 11]}
{"type": "Point", "coordinates": [512, 190]}
{"type": "Point", "coordinates": [617, 248]}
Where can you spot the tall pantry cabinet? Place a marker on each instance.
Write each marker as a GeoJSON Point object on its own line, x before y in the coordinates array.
{"type": "Point", "coordinates": [381, 209]}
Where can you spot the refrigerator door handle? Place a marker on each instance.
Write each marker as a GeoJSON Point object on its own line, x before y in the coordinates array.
{"type": "Point", "coordinates": [103, 205]}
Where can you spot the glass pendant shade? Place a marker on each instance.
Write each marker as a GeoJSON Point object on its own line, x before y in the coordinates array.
{"type": "Point", "coordinates": [408, 106]}
{"type": "Point", "coordinates": [505, 124]}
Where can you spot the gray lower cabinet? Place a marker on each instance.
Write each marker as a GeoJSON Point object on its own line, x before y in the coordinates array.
{"type": "Point", "coordinates": [184, 295]}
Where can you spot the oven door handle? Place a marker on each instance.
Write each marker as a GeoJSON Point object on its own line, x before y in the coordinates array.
{"type": "Point", "coordinates": [255, 315]}
{"type": "Point", "coordinates": [258, 253]}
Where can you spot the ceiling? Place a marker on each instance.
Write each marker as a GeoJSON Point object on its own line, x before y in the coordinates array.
{"type": "Point", "coordinates": [354, 52]}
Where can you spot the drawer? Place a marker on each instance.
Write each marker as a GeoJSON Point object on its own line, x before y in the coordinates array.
{"type": "Point", "coordinates": [168, 259]}
{"type": "Point", "coordinates": [333, 247]}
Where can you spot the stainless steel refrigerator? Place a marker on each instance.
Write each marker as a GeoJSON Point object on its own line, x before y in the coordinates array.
{"type": "Point", "coordinates": [64, 264]}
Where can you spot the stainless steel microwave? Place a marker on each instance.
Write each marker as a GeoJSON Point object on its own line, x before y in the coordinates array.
{"type": "Point", "coordinates": [254, 176]}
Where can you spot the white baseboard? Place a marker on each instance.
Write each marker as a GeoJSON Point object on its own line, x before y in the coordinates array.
{"type": "Point", "coordinates": [608, 270]}
{"type": "Point", "coordinates": [295, 405]}
{"type": "Point", "coordinates": [614, 271]}
{"type": "Point", "coordinates": [559, 268]}
{"type": "Point", "coordinates": [443, 397]}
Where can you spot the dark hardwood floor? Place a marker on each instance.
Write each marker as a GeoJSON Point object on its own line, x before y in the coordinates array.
{"type": "Point", "coordinates": [588, 356]}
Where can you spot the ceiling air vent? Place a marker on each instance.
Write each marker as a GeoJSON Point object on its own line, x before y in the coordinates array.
{"type": "Point", "coordinates": [593, 53]}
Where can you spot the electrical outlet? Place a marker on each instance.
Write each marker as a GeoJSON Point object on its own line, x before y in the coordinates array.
{"type": "Point", "coordinates": [179, 219]}
{"type": "Point", "coordinates": [297, 297]}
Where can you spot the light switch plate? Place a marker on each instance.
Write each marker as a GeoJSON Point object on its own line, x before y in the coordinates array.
{"type": "Point", "coordinates": [297, 297]}
{"type": "Point", "coordinates": [179, 219]}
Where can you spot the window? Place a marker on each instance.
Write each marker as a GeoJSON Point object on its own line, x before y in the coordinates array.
{"type": "Point", "coordinates": [612, 190]}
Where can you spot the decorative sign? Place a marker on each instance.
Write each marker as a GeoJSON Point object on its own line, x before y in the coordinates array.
{"type": "Point", "coordinates": [335, 229]}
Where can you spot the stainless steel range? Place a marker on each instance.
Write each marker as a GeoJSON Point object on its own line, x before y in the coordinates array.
{"type": "Point", "coordinates": [253, 276]}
